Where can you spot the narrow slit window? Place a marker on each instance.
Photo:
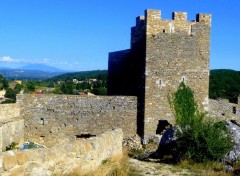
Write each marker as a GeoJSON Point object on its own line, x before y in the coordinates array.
{"type": "Point", "coordinates": [234, 110]}
{"type": "Point", "coordinates": [42, 121]}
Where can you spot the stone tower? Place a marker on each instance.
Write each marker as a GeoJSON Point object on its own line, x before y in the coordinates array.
{"type": "Point", "coordinates": [163, 54]}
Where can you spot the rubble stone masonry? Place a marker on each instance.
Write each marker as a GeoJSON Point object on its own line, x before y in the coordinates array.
{"type": "Point", "coordinates": [9, 111]}
{"type": "Point", "coordinates": [77, 157]}
{"type": "Point", "coordinates": [53, 114]}
{"type": "Point", "coordinates": [11, 125]}
{"type": "Point", "coordinates": [222, 109]}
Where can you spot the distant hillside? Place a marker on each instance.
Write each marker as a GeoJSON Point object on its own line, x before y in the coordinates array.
{"type": "Point", "coordinates": [224, 84]}
{"type": "Point", "coordinates": [27, 74]}
{"type": "Point", "coordinates": [41, 67]}
{"type": "Point", "coordinates": [32, 72]}
{"type": "Point", "coordinates": [98, 74]}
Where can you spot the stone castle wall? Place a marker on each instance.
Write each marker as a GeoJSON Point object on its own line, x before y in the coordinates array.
{"type": "Point", "coordinates": [11, 131]}
{"type": "Point", "coordinates": [9, 111]}
{"type": "Point", "coordinates": [72, 158]}
{"type": "Point", "coordinates": [176, 51]}
{"type": "Point", "coordinates": [163, 54]}
{"type": "Point", "coordinates": [11, 125]}
{"type": "Point", "coordinates": [222, 109]}
{"type": "Point", "coordinates": [51, 114]}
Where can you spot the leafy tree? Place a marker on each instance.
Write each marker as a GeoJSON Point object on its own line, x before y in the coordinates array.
{"type": "Point", "coordinates": [10, 93]}
{"type": "Point", "coordinates": [82, 86]}
{"type": "Point", "coordinates": [18, 88]}
{"type": "Point", "coordinates": [79, 86]}
{"type": "Point", "coordinates": [99, 91]}
{"type": "Point", "coordinates": [5, 83]}
{"type": "Point", "coordinates": [67, 88]}
{"type": "Point", "coordinates": [51, 84]}
{"type": "Point", "coordinates": [29, 87]}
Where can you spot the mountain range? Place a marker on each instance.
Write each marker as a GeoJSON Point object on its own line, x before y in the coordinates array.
{"type": "Point", "coordinates": [32, 71]}
{"type": "Point", "coordinates": [42, 67]}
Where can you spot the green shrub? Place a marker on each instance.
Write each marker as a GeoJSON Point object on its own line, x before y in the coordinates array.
{"type": "Point", "coordinates": [200, 139]}
{"type": "Point", "coordinates": [135, 152]}
{"type": "Point", "coordinates": [8, 101]}
{"type": "Point", "coordinates": [184, 105]}
{"type": "Point", "coordinates": [12, 146]}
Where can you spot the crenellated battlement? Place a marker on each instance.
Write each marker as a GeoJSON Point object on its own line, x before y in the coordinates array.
{"type": "Point", "coordinates": [151, 14]}
{"type": "Point", "coordinates": [204, 18]}
{"type": "Point", "coordinates": [140, 20]}
{"type": "Point", "coordinates": [179, 16]}
{"type": "Point", "coordinates": [154, 24]}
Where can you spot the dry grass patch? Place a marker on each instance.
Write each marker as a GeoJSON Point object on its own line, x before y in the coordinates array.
{"type": "Point", "coordinates": [209, 168]}
{"type": "Point", "coordinates": [117, 166]}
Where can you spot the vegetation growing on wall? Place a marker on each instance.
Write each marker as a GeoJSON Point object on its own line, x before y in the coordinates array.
{"type": "Point", "coordinates": [199, 139]}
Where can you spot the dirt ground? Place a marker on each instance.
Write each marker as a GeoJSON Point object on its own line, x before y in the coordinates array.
{"type": "Point", "coordinates": [142, 168]}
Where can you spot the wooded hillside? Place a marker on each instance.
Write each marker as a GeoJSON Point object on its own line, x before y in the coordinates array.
{"type": "Point", "coordinates": [224, 84]}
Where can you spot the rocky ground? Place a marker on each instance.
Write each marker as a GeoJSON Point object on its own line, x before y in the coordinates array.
{"type": "Point", "coordinates": [151, 168]}
{"type": "Point", "coordinates": [147, 166]}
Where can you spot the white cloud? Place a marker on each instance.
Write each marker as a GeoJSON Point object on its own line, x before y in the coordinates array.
{"type": "Point", "coordinates": [45, 60]}
{"type": "Point", "coordinates": [6, 59]}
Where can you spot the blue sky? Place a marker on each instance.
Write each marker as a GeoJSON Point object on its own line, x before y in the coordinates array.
{"type": "Point", "coordinates": [79, 34]}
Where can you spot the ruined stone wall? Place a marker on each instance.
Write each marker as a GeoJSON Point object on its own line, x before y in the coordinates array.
{"type": "Point", "coordinates": [51, 114]}
{"type": "Point", "coordinates": [11, 130]}
{"type": "Point", "coordinates": [11, 125]}
{"type": "Point", "coordinates": [72, 158]}
{"type": "Point", "coordinates": [176, 51]}
{"type": "Point", "coordinates": [222, 109]}
{"type": "Point", "coordinates": [9, 110]}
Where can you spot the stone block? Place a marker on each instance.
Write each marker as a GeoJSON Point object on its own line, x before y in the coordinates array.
{"type": "Point", "coordinates": [17, 171]}
{"type": "Point", "coordinates": [22, 157]}
{"type": "Point", "coordinates": [9, 162]}
{"type": "Point", "coordinates": [32, 166]}
{"type": "Point", "coordinates": [51, 154]}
